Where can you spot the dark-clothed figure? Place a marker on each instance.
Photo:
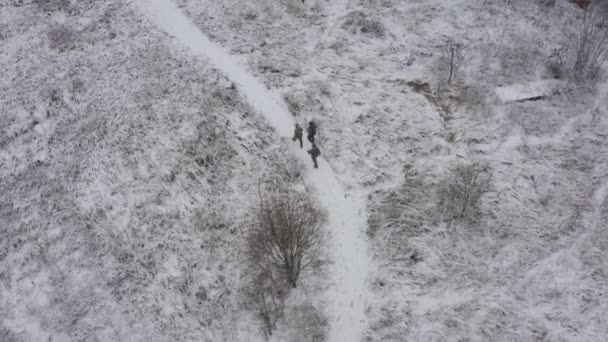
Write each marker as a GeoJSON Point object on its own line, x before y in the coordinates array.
{"type": "Point", "coordinates": [297, 134]}
{"type": "Point", "coordinates": [314, 154]}
{"type": "Point", "coordinates": [312, 131]}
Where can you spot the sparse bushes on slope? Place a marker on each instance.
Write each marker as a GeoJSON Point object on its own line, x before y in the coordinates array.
{"type": "Point", "coordinates": [460, 193]}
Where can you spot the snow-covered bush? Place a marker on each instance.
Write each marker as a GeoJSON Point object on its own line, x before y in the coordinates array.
{"type": "Point", "coordinates": [404, 211]}
{"type": "Point", "coordinates": [453, 56]}
{"type": "Point", "coordinates": [286, 241]}
{"type": "Point", "coordinates": [287, 238]}
{"type": "Point", "coordinates": [267, 299]}
{"type": "Point", "coordinates": [293, 104]}
{"type": "Point", "coordinates": [521, 58]}
{"type": "Point", "coordinates": [309, 325]}
{"type": "Point", "coordinates": [250, 14]}
{"type": "Point", "coordinates": [295, 7]}
{"type": "Point", "coordinates": [459, 195]}
{"type": "Point", "coordinates": [52, 5]}
{"type": "Point", "coordinates": [358, 22]}
{"type": "Point", "coordinates": [590, 44]}
{"type": "Point", "coordinates": [308, 100]}
{"type": "Point", "coordinates": [555, 67]}
{"type": "Point", "coordinates": [61, 38]}
{"type": "Point", "coordinates": [547, 3]}
{"type": "Point", "coordinates": [472, 96]}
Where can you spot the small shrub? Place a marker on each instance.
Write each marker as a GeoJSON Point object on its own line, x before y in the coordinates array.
{"type": "Point", "coordinates": [555, 70]}
{"type": "Point", "coordinates": [250, 14]}
{"type": "Point", "coordinates": [521, 59]}
{"type": "Point", "coordinates": [213, 216]}
{"type": "Point", "coordinates": [453, 56]}
{"type": "Point", "coordinates": [358, 22]}
{"type": "Point", "coordinates": [459, 194]}
{"type": "Point", "coordinates": [267, 299]}
{"type": "Point", "coordinates": [52, 5]}
{"type": "Point", "coordinates": [590, 44]}
{"type": "Point", "coordinates": [287, 238]}
{"type": "Point", "coordinates": [293, 104]}
{"type": "Point", "coordinates": [295, 8]}
{"type": "Point", "coordinates": [419, 86]}
{"type": "Point", "coordinates": [8, 335]}
{"type": "Point", "coordinates": [77, 86]}
{"type": "Point", "coordinates": [424, 89]}
{"type": "Point", "coordinates": [61, 38]}
{"type": "Point", "coordinates": [547, 3]}
{"type": "Point", "coordinates": [472, 96]}
{"type": "Point", "coordinates": [308, 324]}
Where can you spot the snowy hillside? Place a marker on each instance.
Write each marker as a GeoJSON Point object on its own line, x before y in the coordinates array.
{"type": "Point", "coordinates": [137, 138]}
{"type": "Point", "coordinates": [128, 170]}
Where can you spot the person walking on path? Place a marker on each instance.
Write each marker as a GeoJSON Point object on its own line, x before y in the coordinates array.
{"type": "Point", "coordinates": [312, 131]}
{"type": "Point", "coordinates": [297, 134]}
{"type": "Point", "coordinates": [314, 154]}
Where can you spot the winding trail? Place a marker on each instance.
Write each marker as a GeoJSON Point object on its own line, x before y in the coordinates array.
{"type": "Point", "coordinates": [347, 220]}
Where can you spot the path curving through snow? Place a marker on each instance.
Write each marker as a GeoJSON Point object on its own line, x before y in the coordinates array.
{"type": "Point", "coordinates": [350, 267]}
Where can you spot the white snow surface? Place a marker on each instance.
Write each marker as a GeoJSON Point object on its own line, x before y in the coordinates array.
{"type": "Point", "coordinates": [518, 92]}
{"type": "Point", "coordinates": [128, 168]}
{"type": "Point", "coordinates": [346, 208]}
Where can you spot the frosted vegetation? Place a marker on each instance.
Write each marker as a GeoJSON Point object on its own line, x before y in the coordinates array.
{"type": "Point", "coordinates": [133, 174]}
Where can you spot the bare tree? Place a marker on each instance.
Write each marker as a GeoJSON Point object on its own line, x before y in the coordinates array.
{"type": "Point", "coordinates": [288, 236]}
{"type": "Point", "coordinates": [590, 43]}
{"type": "Point", "coordinates": [461, 192]}
{"type": "Point", "coordinates": [453, 56]}
{"type": "Point", "coordinates": [267, 299]}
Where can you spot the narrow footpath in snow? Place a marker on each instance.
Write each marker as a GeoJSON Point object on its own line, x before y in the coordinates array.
{"type": "Point", "coordinates": [346, 298]}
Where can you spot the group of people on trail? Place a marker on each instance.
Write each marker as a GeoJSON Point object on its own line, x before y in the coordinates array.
{"type": "Point", "coordinates": [311, 131]}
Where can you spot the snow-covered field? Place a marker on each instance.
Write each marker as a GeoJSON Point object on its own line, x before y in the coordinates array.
{"type": "Point", "coordinates": [128, 169]}
{"type": "Point", "coordinates": [131, 149]}
{"type": "Point", "coordinates": [346, 219]}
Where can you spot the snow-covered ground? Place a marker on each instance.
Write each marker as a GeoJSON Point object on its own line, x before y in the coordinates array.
{"type": "Point", "coordinates": [346, 210]}
{"type": "Point", "coordinates": [126, 181]}
{"type": "Point", "coordinates": [129, 164]}
{"type": "Point", "coordinates": [537, 90]}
